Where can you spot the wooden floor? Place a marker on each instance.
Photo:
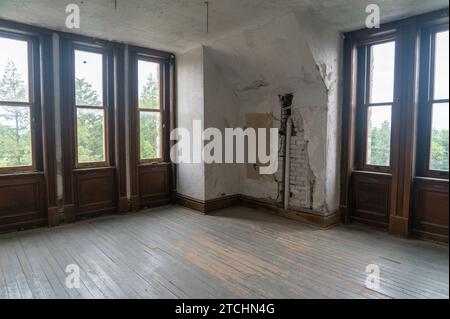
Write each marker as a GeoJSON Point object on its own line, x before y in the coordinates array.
{"type": "Point", "coordinates": [173, 252]}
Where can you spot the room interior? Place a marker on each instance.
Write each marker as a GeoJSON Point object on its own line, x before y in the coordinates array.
{"type": "Point", "coordinates": [88, 107]}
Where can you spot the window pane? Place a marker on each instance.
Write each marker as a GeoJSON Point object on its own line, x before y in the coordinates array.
{"type": "Point", "coordinates": [382, 69]}
{"type": "Point", "coordinates": [149, 85]}
{"type": "Point", "coordinates": [441, 66]}
{"type": "Point", "coordinates": [90, 135]}
{"type": "Point", "coordinates": [13, 71]}
{"type": "Point", "coordinates": [15, 136]}
{"type": "Point", "coordinates": [150, 135]}
{"type": "Point", "coordinates": [88, 78]}
{"type": "Point", "coordinates": [379, 135]}
{"type": "Point", "coordinates": [439, 138]}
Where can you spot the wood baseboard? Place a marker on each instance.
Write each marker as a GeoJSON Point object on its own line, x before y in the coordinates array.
{"type": "Point", "coordinates": [69, 213]}
{"type": "Point", "coordinates": [429, 236]}
{"type": "Point", "coordinates": [208, 205]}
{"type": "Point", "coordinates": [53, 216]}
{"type": "Point", "coordinates": [124, 205]}
{"type": "Point", "coordinates": [258, 203]}
{"type": "Point", "coordinates": [191, 203]}
{"type": "Point", "coordinates": [399, 226]}
{"type": "Point", "coordinates": [312, 218]}
{"type": "Point", "coordinates": [221, 203]}
{"type": "Point", "coordinates": [134, 203]}
{"type": "Point", "coordinates": [307, 217]}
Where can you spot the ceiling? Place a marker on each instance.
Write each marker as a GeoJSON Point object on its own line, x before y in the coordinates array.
{"type": "Point", "coordinates": [176, 25]}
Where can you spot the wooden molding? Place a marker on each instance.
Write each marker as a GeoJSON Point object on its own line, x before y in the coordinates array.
{"type": "Point", "coordinates": [429, 236]}
{"type": "Point", "coordinates": [221, 203]}
{"type": "Point", "coordinates": [258, 203]}
{"type": "Point", "coordinates": [308, 217]}
{"type": "Point", "coordinates": [134, 203]}
{"type": "Point", "coordinates": [345, 215]}
{"type": "Point", "coordinates": [208, 205]}
{"type": "Point", "coordinates": [124, 205]}
{"type": "Point", "coordinates": [191, 203]}
{"type": "Point", "coordinates": [69, 213]}
{"type": "Point", "coordinates": [311, 218]}
{"type": "Point", "coordinates": [53, 216]}
{"type": "Point", "coordinates": [399, 226]}
{"type": "Point", "coordinates": [304, 216]}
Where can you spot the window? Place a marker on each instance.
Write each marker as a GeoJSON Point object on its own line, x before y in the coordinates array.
{"type": "Point", "coordinates": [150, 110]}
{"type": "Point", "coordinates": [90, 107]}
{"type": "Point", "coordinates": [439, 104]}
{"type": "Point", "coordinates": [377, 77]}
{"type": "Point", "coordinates": [433, 156]}
{"type": "Point", "coordinates": [16, 105]}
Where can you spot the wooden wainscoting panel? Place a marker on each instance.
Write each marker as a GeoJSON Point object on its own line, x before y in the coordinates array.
{"type": "Point", "coordinates": [22, 201]}
{"type": "Point", "coordinates": [431, 209]}
{"type": "Point", "coordinates": [371, 198]}
{"type": "Point", "coordinates": [154, 185]}
{"type": "Point", "coordinates": [95, 190]}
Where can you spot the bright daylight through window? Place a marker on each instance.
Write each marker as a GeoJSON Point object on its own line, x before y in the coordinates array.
{"type": "Point", "coordinates": [150, 111]}
{"type": "Point", "coordinates": [381, 97]}
{"type": "Point", "coordinates": [90, 107]}
{"type": "Point", "coordinates": [16, 148]}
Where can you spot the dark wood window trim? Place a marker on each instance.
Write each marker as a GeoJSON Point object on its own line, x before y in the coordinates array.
{"type": "Point", "coordinates": [33, 99]}
{"type": "Point", "coordinates": [161, 110]}
{"type": "Point", "coordinates": [43, 170]}
{"type": "Point", "coordinates": [108, 171]}
{"type": "Point", "coordinates": [426, 100]}
{"type": "Point", "coordinates": [105, 107]}
{"type": "Point", "coordinates": [45, 163]}
{"type": "Point", "coordinates": [405, 206]}
{"type": "Point", "coordinates": [139, 167]}
{"type": "Point", "coordinates": [363, 103]}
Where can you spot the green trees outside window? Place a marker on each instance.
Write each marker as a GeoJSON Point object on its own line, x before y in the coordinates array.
{"type": "Point", "coordinates": [15, 128]}
{"type": "Point", "coordinates": [90, 112]}
{"type": "Point", "coordinates": [149, 110]}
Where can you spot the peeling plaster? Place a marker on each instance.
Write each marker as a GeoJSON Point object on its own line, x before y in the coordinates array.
{"type": "Point", "coordinates": [248, 57]}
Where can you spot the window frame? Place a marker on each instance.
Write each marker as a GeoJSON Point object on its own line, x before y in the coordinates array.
{"type": "Point", "coordinates": [33, 89]}
{"type": "Point", "coordinates": [160, 159]}
{"type": "Point", "coordinates": [363, 103]}
{"type": "Point", "coordinates": [426, 100]}
{"type": "Point", "coordinates": [77, 46]}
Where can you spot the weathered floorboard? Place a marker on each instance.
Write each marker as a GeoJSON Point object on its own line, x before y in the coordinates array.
{"type": "Point", "coordinates": [172, 252]}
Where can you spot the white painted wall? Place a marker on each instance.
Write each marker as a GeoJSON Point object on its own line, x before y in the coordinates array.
{"type": "Point", "coordinates": [190, 79]}
{"type": "Point", "coordinates": [221, 111]}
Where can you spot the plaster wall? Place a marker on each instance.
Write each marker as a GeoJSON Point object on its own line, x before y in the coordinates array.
{"type": "Point", "coordinates": [221, 111]}
{"type": "Point", "coordinates": [278, 57]}
{"type": "Point", "coordinates": [190, 107]}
